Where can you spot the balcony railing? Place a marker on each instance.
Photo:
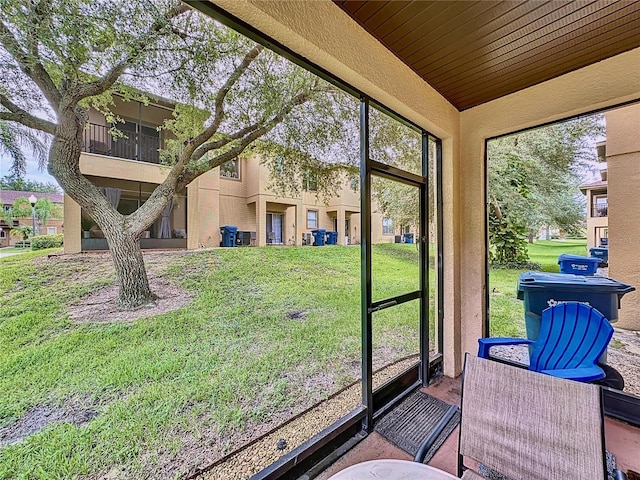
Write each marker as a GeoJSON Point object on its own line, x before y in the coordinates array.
{"type": "Point", "coordinates": [599, 210]}
{"type": "Point", "coordinates": [132, 146]}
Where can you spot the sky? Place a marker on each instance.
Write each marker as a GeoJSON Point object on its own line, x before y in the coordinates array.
{"type": "Point", "coordinates": [33, 172]}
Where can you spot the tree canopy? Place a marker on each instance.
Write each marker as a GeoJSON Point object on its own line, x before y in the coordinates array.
{"type": "Point", "coordinates": [534, 179]}
{"type": "Point", "coordinates": [21, 184]}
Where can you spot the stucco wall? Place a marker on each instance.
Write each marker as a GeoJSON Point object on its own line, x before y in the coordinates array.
{"type": "Point", "coordinates": [610, 82]}
{"type": "Point", "coordinates": [623, 162]}
{"type": "Point", "coordinates": [593, 240]}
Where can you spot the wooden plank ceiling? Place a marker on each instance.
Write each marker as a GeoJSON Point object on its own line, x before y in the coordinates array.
{"type": "Point", "coordinates": [473, 52]}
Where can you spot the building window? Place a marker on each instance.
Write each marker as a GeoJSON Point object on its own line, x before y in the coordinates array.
{"type": "Point", "coordinates": [354, 184]}
{"type": "Point", "coordinates": [2, 234]}
{"type": "Point", "coordinates": [310, 182]}
{"type": "Point", "coordinates": [7, 208]}
{"type": "Point", "coordinates": [52, 230]}
{"type": "Point", "coordinates": [230, 169]}
{"type": "Point", "coordinates": [278, 165]}
{"type": "Point", "coordinates": [312, 219]}
{"type": "Point", "coordinates": [600, 206]}
{"type": "Point", "coordinates": [387, 226]}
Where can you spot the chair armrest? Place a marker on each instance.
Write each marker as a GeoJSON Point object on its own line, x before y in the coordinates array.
{"type": "Point", "coordinates": [486, 343]}
{"type": "Point", "coordinates": [619, 474]}
{"type": "Point", "coordinates": [582, 374]}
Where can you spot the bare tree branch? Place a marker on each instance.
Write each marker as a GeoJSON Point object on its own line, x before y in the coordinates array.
{"type": "Point", "coordinates": [103, 84]}
{"type": "Point", "coordinates": [31, 66]}
{"type": "Point", "coordinates": [151, 209]}
{"type": "Point", "coordinates": [222, 93]}
{"type": "Point", "coordinates": [233, 152]}
{"type": "Point", "coordinates": [214, 145]}
{"type": "Point", "coordinates": [18, 115]}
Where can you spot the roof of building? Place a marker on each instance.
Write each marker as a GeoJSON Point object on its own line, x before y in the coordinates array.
{"type": "Point", "coordinates": [7, 197]}
{"type": "Point", "coordinates": [593, 185]}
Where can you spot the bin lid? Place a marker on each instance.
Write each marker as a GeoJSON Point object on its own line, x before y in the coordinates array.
{"type": "Point", "coordinates": [602, 247]}
{"type": "Point", "coordinates": [231, 228]}
{"type": "Point", "coordinates": [567, 281]}
{"type": "Point", "coordinates": [319, 230]}
{"type": "Point", "coordinates": [566, 257]}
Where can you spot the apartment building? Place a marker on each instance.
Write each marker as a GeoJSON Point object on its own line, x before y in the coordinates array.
{"type": "Point", "coordinates": [597, 203]}
{"type": "Point", "coordinates": [128, 167]}
{"type": "Point", "coordinates": [8, 197]}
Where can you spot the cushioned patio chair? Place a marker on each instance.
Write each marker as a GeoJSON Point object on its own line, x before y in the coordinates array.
{"type": "Point", "coordinates": [520, 424]}
{"type": "Point", "coordinates": [573, 336]}
{"type": "Point", "coordinates": [528, 426]}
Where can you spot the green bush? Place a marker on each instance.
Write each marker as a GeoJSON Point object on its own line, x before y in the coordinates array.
{"type": "Point", "coordinates": [40, 242]}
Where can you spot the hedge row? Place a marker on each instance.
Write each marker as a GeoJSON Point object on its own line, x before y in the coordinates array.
{"type": "Point", "coordinates": [40, 242]}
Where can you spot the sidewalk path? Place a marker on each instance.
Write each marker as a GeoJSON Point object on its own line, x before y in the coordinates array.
{"type": "Point", "coordinates": [5, 253]}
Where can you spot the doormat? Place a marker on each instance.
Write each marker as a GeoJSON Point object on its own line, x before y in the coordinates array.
{"type": "Point", "coordinates": [413, 420]}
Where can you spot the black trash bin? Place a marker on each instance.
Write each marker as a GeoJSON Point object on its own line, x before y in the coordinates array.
{"type": "Point", "coordinates": [228, 233]}
{"type": "Point", "coordinates": [332, 238]}
{"type": "Point", "coordinates": [318, 236]}
{"type": "Point", "coordinates": [540, 290]}
{"type": "Point", "coordinates": [602, 254]}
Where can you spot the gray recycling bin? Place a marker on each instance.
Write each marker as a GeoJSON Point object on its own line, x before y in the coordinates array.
{"type": "Point", "coordinates": [318, 236]}
{"type": "Point", "coordinates": [540, 290]}
{"type": "Point", "coordinates": [228, 233]}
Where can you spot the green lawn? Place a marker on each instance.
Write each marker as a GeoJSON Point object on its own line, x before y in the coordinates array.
{"type": "Point", "coordinates": [270, 331]}
{"type": "Point", "coordinates": [506, 313]}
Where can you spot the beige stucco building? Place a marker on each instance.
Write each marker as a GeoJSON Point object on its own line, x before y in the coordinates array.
{"type": "Point", "coordinates": [623, 177]}
{"type": "Point", "coordinates": [612, 202]}
{"type": "Point", "coordinates": [237, 194]}
{"type": "Point", "coordinates": [53, 225]}
{"type": "Point", "coordinates": [597, 203]}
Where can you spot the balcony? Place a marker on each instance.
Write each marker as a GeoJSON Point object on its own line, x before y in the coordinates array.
{"type": "Point", "coordinates": [133, 145]}
{"type": "Point", "coordinates": [600, 209]}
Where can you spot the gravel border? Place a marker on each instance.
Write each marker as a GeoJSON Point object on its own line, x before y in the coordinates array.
{"type": "Point", "coordinates": [257, 455]}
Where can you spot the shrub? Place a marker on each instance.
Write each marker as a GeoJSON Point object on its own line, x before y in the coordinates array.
{"type": "Point", "coordinates": [516, 266]}
{"type": "Point", "coordinates": [40, 242]}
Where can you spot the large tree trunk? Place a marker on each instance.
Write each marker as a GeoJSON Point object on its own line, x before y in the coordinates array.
{"type": "Point", "coordinates": [122, 236]}
{"type": "Point", "coordinates": [131, 273]}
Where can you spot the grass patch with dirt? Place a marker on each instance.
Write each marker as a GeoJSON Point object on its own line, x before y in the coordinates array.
{"type": "Point", "coordinates": [268, 332]}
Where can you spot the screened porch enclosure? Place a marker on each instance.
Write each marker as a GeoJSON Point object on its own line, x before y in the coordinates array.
{"type": "Point", "coordinates": [463, 121]}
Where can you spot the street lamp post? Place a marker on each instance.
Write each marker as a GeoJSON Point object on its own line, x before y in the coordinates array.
{"type": "Point", "coordinates": [32, 201]}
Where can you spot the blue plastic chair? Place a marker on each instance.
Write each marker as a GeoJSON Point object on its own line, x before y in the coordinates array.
{"type": "Point", "coordinates": [573, 336]}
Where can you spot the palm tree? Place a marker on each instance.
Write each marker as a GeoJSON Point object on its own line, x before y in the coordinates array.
{"type": "Point", "coordinates": [22, 231]}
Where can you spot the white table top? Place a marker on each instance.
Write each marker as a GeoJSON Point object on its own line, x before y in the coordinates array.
{"type": "Point", "coordinates": [391, 470]}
